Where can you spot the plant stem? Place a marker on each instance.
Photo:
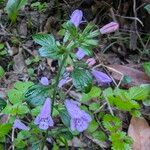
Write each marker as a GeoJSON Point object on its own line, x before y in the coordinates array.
{"type": "Point", "coordinates": [57, 80]}
{"type": "Point", "coordinates": [54, 93]}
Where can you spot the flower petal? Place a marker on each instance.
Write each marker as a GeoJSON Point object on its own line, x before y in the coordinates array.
{"type": "Point", "coordinates": [101, 77]}
{"type": "Point", "coordinates": [80, 53]}
{"type": "Point", "coordinates": [44, 81]}
{"type": "Point", "coordinates": [110, 27]}
{"type": "Point", "coordinates": [19, 125]}
{"type": "Point", "coordinates": [76, 17]}
{"type": "Point", "coordinates": [46, 109]}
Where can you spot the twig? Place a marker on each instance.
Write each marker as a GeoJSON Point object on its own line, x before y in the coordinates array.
{"type": "Point", "coordinates": [12, 138]}
{"type": "Point", "coordinates": [132, 18]}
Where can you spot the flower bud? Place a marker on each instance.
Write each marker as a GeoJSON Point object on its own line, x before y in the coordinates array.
{"type": "Point", "coordinates": [90, 62]}
{"type": "Point", "coordinates": [109, 28]}
{"type": "Point", "coordinates": [76, 17]}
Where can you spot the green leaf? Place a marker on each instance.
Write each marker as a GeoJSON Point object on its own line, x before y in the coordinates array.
{"type": "Point", "coordinates": [35, 111]}
{"type": "Point", "coordinates": [15, 96]}
{"type": "Point", "coordinates": [65, 117]}
{"type": "Point", "coordinates": [49, 48]}
{"type": "Point", "coordinates": [24, 134]}
{"type": "Point", "coordinates": [12, 8]}
{"type": "Point", "coordinates": [2, 72]}
{"type": "Point", "coordinates": [120, 141]}
{"type": "Point", "coordinates": [93, 126]}
{"type": "Point", "coordinates": [112, 123]}
{"type": "Point", "coordinates": [23, 86]}
{"type": "Point", "coordinates": [94, 93]}
{"type": "Point", "coordinates": [147, 64]}
{"type": "Point", "coordinates": [147, 7]}
{"type": "Point", "coordinates": [91, 42]}
{"type": "Point", "coordinates": [16, 109]}
{"type": "Point", "coordinates": [70, 27]}
{"type": "Point", "coordinates": [1, 46]}
{"type": "Point", "coordinates": [94, 106]}
{"type": "Point", "coordinates": [139, 93]}
{"type": "Point", "coordinates": [82, 79]}
{"type": "Point", "coordinates": [4, 129]}
{"type": "Point", "coordinates": [19, 143]}
{"type": "Point", "coordinates": [37, 94]}
{"type": "Point", "coordinates": [146, 102]}
{"type": "Point", "coordinates": [99, 135]}
{"type": "Point", "coordinates": [93, 34]}
{"type": "Point", "coordinates": [127, 79]}
{"type": "Point", "coordinates": [2, 104]}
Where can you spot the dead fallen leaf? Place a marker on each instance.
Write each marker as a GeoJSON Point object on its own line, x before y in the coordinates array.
{"type": "Point", "coordinates": [23, 28]}
{"type": "Point", "coordinates": [139, 130]}
{"type": "Point", "coordinates": [19, 63]}
{"type": "Point", "coordinates": [138, 77]}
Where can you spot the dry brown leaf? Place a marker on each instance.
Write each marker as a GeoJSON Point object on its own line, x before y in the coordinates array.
{"type": "Point", "coordinates": [19, 63]}
{"type": "Point", "coordinates": [23, 28]}
{"type": "Point", "coordinates": [139, 130]}
{"type": "Point", "coordinates": [138, 77]}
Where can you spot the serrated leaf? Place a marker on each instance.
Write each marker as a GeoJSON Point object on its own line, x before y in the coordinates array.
{"type": "Point", "coordinates": [112, 123]}
{"type": "Point", "coordinates": [93, 126]}
{"type": "Point", "coordinates": [99, 135]}
{"type": "Point", "coordinates": [37, 94]}
{"type": "Point", "coordinates": [139, 93]}
{"type": "Point", "coordinates": [15, 96]}
{"type": "Point", "coordinates": [23, 86]}
{"type": "Point", "coordinates": [82, 79]}
{"type": "Point", "coordinates": [94, 93]}
{"type": "Point", "coordinates": [16, 109]}
{"type": "Point", "coordinates": [94, 106]}
{"type": "Point", "coordinates": [120, 141]}
{"type": "Point", "coordinates": [12, 8]}
{"type": "Point", "coordinates": [2, 104]}
{"type": "Point", "coordinates": [4, 129]}
{"type": "Point", "coordinates": [49, 48]}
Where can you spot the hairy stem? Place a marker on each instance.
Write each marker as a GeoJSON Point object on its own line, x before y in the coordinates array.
{"type": "Point", "coordinates": [54, 94]}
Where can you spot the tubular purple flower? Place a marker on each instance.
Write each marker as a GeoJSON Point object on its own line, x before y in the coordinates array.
{"type": "Point", "coordinates": [90, 62]}
{"type": "Point", "coordinates": [44, 81]}
{"type": "Point", "coordinates": [19, 125]}
{"type": "Point", "coordinates": [79, 118]}
{"type": "Point", "coordinates": [76, 17]}
{"type": "Point", "coordinates": [64, 80]}
{"type": "Point", "coordinates": [80, 53]}
{"type": "Point", "coordinates": [44, 119]}
{"type": "Point", "coordinates": [109, 28]}
{"type": "Point", "coordinates": [101, 77]}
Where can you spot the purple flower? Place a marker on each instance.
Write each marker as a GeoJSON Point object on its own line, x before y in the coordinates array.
{"type": "Point", "coordinates": [76, 17]}
{"type": "Point", "coordinates": [80, 53]}
{"type": "Point", "coordinates": [64, 80]}
{"type": "Point", "coordinates": [110, 27]}
{"type": "Point", "coordinates": [19, 125]}
{"type": "Point", "coordinates": [44, 119]}
{"type": "Point", "coordinates": [44, 81]}
{"type": "Point", "coordinates": [79, 118]}
{"type": "Point", "coordinates": [91, 62]}
{"type": "Point", "coordinates": [101, 77]}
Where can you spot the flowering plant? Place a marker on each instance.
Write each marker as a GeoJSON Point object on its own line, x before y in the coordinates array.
{"type": "Point", "coordinates": [45, 114]}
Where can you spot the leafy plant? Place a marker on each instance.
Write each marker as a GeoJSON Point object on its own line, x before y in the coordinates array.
{"type": "Point", "coordinates": [13, 7]}
{"type": "Point", "coordinates": [41, 7]}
